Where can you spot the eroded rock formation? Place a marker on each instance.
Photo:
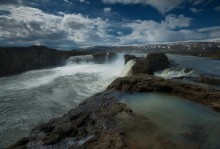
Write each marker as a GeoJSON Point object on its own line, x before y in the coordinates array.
{"type": "Point", "coordinates": [153, 62]}
{"type": "Point", "coordinates": [15, 60]}
{"type": "Point", "coordinates": [147, 83]}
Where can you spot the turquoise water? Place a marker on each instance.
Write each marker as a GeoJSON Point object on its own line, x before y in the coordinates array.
{"type": "Point", "coordinates": [180, 120]}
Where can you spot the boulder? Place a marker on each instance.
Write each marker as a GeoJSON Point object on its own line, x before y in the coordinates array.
{"type": "Point", "coordinates": [153, 62]}
{"type": "Point", "coordinates": [128, 57]}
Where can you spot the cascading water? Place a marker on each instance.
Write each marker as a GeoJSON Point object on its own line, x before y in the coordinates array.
{"type": "Point", "coordinates": [127, 71]}
{"type": "Point", "coordinates": [175, 73]}
{"type": "Point", "coordinates": [107, 58]}
{"type": "Point", "coordinates": [201, 65]}
{"type": "Point", "coordinates": [80, 59]}
{"type": "Point", "coordinates": [39, 95]}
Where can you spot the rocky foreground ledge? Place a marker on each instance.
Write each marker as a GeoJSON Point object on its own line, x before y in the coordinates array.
{"type": "Point", "coordinates": [91, 125]}
{"type": "Point", "coordinates": [147, 83]}
{"type": "Point", "coordinates": [96, 123]}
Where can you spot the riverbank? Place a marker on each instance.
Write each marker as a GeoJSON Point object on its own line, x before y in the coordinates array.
{"type": "Point", "coordinates": [96, 123]}
{"type": "Point", "coordinates": [212, 54]}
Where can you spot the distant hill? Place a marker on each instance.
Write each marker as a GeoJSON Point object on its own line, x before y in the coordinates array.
{"type": "Point", "coordinates": [173, 46]}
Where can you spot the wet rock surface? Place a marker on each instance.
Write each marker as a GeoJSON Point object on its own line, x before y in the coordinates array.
{"type": "Point", "coordinates": [147, 83]}
{"type": "Point", "coordinates": [128, 57]}
{"type": "Point", "coordinates": [91, 125]}
{"type": "Point", "coordinates": [100, 122]}
{"type": "Point", "coordinates": [96, 123]}
{"type": "Point", "coordinates": [15, 60]}
{"type": "Point", "coordinates": [209, 80]}
{"type": "Point", "coordinates": [153, 62]}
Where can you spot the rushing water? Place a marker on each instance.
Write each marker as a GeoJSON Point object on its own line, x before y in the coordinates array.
{"type": "Point", "coordinates": [39, 95]}
{"type": "Point", "coordinates": [127, 70]}
{"type": "Point", "coordinates": [182, 121]}
{"type": "Point", "coordinates": [201, 65]}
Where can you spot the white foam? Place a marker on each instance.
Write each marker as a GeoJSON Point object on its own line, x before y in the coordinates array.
{"type": "Point", "coordinates": [80, 59]}
{"type": "Point", "coordinates": [82, 141]}
{"type": "Point", "coordinates": [169, 74]}
{"type": "Point", "coordinates": [36, 78]}
{"type": "Point", "coordinates": [127, 71]}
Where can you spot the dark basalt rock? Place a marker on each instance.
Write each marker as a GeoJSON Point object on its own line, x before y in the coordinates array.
{"type": "Point", "coordinates": [19, 59]}
{"type": "Point", "coordinates": [21, 144]}
{"type": "Point", "coordinates": [94, 121]}
{"type": "Point", "coordinates": [15, 60]}
{"type": "Point", "coordinates": [187, 70]}
{"type": "Point", "coordinates": [128, 57]}
{"type": "Point", "coordinates": [209, 80]}
{"type": "Point", "coordinates": [153, 62]}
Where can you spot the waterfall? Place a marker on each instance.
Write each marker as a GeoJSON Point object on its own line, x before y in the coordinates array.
{"type": "Point", "coordinates": [80, 59]}
{"type": "Point", "coordinates": [127, 71]}
{"type": "Point", "coordinates": [172, 73]}
{"type": "Point", "coordinates": [107, 58]}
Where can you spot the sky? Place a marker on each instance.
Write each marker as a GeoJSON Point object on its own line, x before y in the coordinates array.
{"type": "Point", "coordinates": [70, 24]}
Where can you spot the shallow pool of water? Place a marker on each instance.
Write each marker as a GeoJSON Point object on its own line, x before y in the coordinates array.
{"type": "Point", "coordinates": [182, 121]}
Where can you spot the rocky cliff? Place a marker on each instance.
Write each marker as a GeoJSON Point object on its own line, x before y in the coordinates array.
{"type": "Point", "coordinates": [15, 60]}
{"type": "Point", "coordinates": [19, 59]}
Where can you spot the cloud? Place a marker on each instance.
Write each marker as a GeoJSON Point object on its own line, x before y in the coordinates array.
{"type": "Point", "coordinates": [161, 5]}
{"type": "Point", "coordinates": [71, 1]}
{"type": "Point", "coordinates": [173, 21]}
{"type": "Point", "coordinates": [31, 25]}
{"type": "Point", "coordinates": [144, 32]}
{"type": "Point", "coordinates": [197, 2]}
{"type": "Point", "coordinates": [194, 10]}
{"type": "Point", "coordinates": [165, 5]}
{"type": "Point", "coordinates": [22, 25]}
{"type": "Point", "coordinates": [84, 1]}
{"type": "Point", "coordinates": [107, 10]}
{"type": "Point", "coordinates": [217, 8]}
